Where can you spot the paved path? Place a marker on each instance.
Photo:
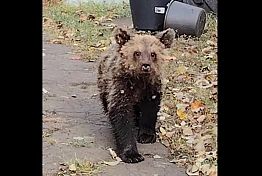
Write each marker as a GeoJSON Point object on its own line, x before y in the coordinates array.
{"type": "Point", "coordinates": [71, 109]}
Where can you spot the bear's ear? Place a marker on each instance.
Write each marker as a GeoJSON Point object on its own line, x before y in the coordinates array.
{"type": "Point", "coordinates": [166, 37]}
{"type": "Point", "coordinates": [121, 36]}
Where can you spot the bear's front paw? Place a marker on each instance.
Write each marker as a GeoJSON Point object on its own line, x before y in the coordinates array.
{"type": "Point", "coordinates": [131, 156]}
{"type": "Point", "coordinates": [145, 138]}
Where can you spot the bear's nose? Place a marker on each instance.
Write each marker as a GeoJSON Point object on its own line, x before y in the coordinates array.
{"type": "Point", "coordinates": [146, 67]}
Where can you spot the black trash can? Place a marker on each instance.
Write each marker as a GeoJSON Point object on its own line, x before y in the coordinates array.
{"type": "Point", "coordinates": [148, 15]}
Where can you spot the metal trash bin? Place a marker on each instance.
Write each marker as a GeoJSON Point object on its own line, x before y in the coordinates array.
{"type": "Point", "coordinates": [185, 18]}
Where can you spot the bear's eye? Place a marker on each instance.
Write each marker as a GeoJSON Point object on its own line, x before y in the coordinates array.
{"type": "Point", "coordinates": [137, 53]}
{"type": "Point", "coordinates": [153, 55]}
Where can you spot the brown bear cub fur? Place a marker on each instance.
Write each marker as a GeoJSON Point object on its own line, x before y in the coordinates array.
{"type": "Point", "coordinates": [129, 81]}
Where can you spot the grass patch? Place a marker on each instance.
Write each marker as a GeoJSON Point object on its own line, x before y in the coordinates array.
{"type": "Point", "coordinates": [88, 27]}
{"type": "Point", "coordinates": [79, 167]}
{"type": "Point", "coordinates": [189, 106]}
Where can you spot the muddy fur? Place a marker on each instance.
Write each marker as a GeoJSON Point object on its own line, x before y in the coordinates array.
{"type": "Point", "coordinates": [129, 81]}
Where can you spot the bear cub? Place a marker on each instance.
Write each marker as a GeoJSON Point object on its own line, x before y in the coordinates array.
{"type": "Point", "coordinates": [129, 82]}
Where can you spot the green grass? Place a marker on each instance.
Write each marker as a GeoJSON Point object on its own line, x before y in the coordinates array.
{"type": "Point", "coordinates": [73, 26]}
{"type": "Point", "coordinates": [191, 53]}
{"type": "Point", "coordinates": [79, 167]}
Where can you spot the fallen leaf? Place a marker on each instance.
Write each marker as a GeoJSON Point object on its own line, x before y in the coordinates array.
{"type": "Point", "coordinates": [45, 91]}
{"type": "Point", "coordinates": [161, 118]}
{"type": "Point", "coordinates": [196, 106]}
{"type": "Point", "coordinates": [168, 58]}
{"type": "Point", "coordinates": [72, 167]}
{"type": "Point", "coordinates": [211, 43]}
{"type": "Point", "coordinates": [200, 146]}
{"type": "Point", "coordinates": [205, 168]}
{"type": "Point", "coordinates": [78, 138]}
{"type": "Point", "coordinates": [183, 123]}
{"type": "Point", "coordinates": [165, 143]}
{"type": "Point", "coordinates": [179, 95]}
{"type": "Point", "coordinates": [165, 81]}
{"type": "Point", "coordinates": [191, 140]}
{"type": "Point", "coordinates": [112, 153]}
{"type": "Point", "coordinates": [213, 173]}
{"type": "Point", "coordinates": [201, 118]}
{"type": "Point", "coordinates": [157, 157]}
{"type": "Point", "coordinates": [181, 114]}
{"type": "Point", "coordinates": [190, 173]}
{"type": "Point", "coordinates": [112, 163]}
{"type": "Point", "coordinates": [170, 134]}
{"type": "Point", "coordinates": [215, 131]}
{"type": "Point", "coordinates": [55, 41]}
{"type": "Point", "coordinates": [186, 54]}
{"type": "Point", "coordinates": [203, 83]}
{"type": "Point", "coordinates": [194, 168]}
{"type": "Point", "coordinates": [181, 70]}
{"type": "Point", "coordinates": [187, 131]}
{"type": "Point", "coordinates": [182, 106]}
{"type": "Point", "coordinates": [210, 55]}
{"type": "Point", "coordinates": [183, 160]}
{"type": "Point", "coordinates": [76, 58]}
{"type": "Point", "coordinates": [83, 17]}
{"type": "Point", "coordinates": [162, 130]}
{"type": "Point", "coordinates": [207, 49]}
{"type": "Point", "coordinates": [61, 37]}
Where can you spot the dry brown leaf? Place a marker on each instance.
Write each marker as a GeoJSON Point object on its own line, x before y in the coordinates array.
{"type": "Point", "coordinates": [162, 130]}
{"type": "Point", "coordinates": [190, 173]}
{"type": "Point", "coordinates": [201, 118]}
{"type": "Point", "coordinates": [55, 41]}
{"type": "Point", "coordinates": [61, 37]}
{"type": "Point", "coordinates": [205, 168]}
{"type": "Point", "coordinates": [200, 146]}
{"type": "Point", "coordinates": [168, 58]}
{"type": "Point", "coordinates": [170, 134]}
{"type": "Point", "coordinates": [111, 163]}
{"type": "Point", "coordinates": [214, 131]}
{"type": "Point", "coordinates": [207, 49]}
{"type": "Point", "coordinates": [194, 168]}
{"type": "Point", "coordinates": [213, 173]}
{"type": "Point", "coordinates": [75, 57]}
{"type": "Point", "coordinates": [165, 143]}
{"type": "Point", "coordinates": [72, 167]}
{"type": "Point", "coordinates": [83, 17]}
{"type": "Point", "coordinates": [183, 160]}
{"type": "Point", "coordinates": [157, 157]}
{"type": "Point", "coordinates": [186, 54]}
{"type": "Point", "coordinates": [203, 83]}
{"type": "Point", "coordinates": [187, 131]}
{"type": "Point", "coordinates": [112, 153]}
{"type": "Point", "coordinates": [211, 43]}
{"type": "Point", "coordinates": [196, 106]}
{"type": "Point", "coordinates": [161, 118]}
